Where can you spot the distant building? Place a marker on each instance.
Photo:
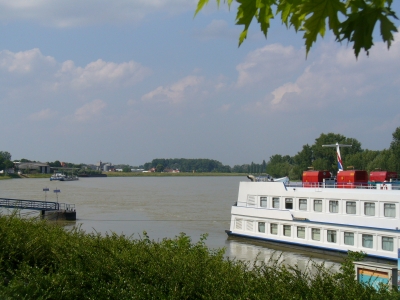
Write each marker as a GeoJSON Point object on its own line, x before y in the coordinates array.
{"type": "Point", "coordinates": [34, 167]}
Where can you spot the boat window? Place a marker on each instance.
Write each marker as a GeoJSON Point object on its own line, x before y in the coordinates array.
{"type": "Point", "coordinates": [350, 207]}
{"type": "Point", "coordinates": [316, 234]}
{"type": "Point", "coordinates": [333, 206]}
{"type": "Point", "coordinates": [369, 209]}
{"type": "Point", "coordinates": [301, 232]}
{"type": "Point", "coordinates": [367, 241]}
{"type": "Point", "coordinates": [390, 210]}
{"type": "Point", "coordinates": [387, 243]}
{"type": "Point", "coordinates": [349, 238]}
{"type": "Point", "coordinates": [274, 228]}
{"type": "Point", "coordinates": [275, 202]}
{"type": "Point", "coordinates": [287, 230]}
{"type": "Point", "coordinates": [331, 236]}
{"type": "Point", "coordinates": [263, 201]}
{"type": "Point", "coordinates": [302, 204]}
{"type": "Point", "coordinates": [318, 205]}
{"type": "Point", "coordinates": [289, 203]}
{"type": "Point", "coordinates": [261, 226]}
{"type": "Point", "coordinates": [239, 224]}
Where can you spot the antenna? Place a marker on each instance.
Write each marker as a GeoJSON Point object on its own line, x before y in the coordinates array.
{"type": "Point", "coordinates": [339, 159]}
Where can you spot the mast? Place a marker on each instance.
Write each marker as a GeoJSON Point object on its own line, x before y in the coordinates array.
{"type": "Point", "coordinates": [339, 159]}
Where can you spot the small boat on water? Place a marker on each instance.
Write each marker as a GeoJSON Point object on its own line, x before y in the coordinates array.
{"type": "Point", "coordinates": [342, 213]}
{"type": "Point", "coordinates": [62, 177]}
{"type": "Point", "coordinates": [57, 176]}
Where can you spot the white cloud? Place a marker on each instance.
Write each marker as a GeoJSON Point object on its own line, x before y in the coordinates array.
{"type": "Point", "coordinates": [282, 90]}
{"type": "Point", "coordinates": [269, 65]}
{"type": "Point", "coordinates": [90, 111]}
{"type": "Point", "coordinates": [218, 29]}
{"type": "Point", "coordinates": [29, 73]}
{"type": "Point", "coordinates": [25, 62]}
{"type": "Point", "coordinates": [176, 92]}
{"type": "Point", "coordinates": [73, 13]}
{"type": "Point", "coordinates": [42, 115]}
{"type": "Point", "coordinates": [331, 79]}
{"type": "Point", "coordinates": [101, 73]}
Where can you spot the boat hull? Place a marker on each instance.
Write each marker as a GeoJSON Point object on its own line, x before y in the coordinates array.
{"type": "Point", "coordinates": [305, 247]}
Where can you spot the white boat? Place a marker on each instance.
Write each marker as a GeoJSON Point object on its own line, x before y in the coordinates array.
{"type": "Point", "coordinates": [328, 214]}
{"type": "Point", "coordinates": [62, 177]}
{"type": "Point", "coordinates": [57, 176]}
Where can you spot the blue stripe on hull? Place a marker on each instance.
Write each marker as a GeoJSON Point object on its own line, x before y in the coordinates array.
{"type": "Point", "coordinates": [230, 233]}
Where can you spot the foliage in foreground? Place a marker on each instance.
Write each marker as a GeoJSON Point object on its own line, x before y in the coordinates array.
{"type": "Point", "coordinates": [352, 21]}
{"type": "Point", "coordinates": [41, 261]}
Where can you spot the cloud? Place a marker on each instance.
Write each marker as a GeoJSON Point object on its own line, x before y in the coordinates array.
{"type": "Point", "coordinates": [101, 73]}
{"type": "Point", "coordinates": [268, 66]}
{"type": "Point", "coordinates": [218, 29]}
{"type": "Point", "coordinates": [30, 74]}
{"type": "Point", "coordinates": [331, 78]}
{"type": "Point", "coordinates": [90, 111]}
{"type": "Point", "coordinates": [42, 115]}
{"type": "Point", "coordinates": [282, 90]}
{"type": "Point", "coordinates": [25, 62]}
{"type": "Point", "coordinates": [175, 93]}
{"type": "Point", "coordinates": [75, 13]}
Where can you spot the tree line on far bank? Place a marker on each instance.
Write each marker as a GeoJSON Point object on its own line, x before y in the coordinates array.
{"type": "Point", "coordinates": [310, 156]}
{"type": "Point", "coordinates": [319, 158]}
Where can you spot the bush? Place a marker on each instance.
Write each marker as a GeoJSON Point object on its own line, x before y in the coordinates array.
{"type": "Point", "coordinates": [42, 261]}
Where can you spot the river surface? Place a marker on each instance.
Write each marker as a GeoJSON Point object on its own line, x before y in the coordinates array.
{"type": "Point", "coordinates": [161, 206]}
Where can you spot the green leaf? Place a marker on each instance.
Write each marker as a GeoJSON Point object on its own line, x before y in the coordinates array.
{"type": "Point", "coordinates": [265, 15]}
{"type": "Point", "coordinates": [387, 27]}
{"type": "Point", "coordinates": [320, 10]}
{"type": "Point", "coordinates": [200, 6]}
{"type": "Point", "coordinates": [246, 12]}
{"type": "Point", "coordinates": [358, 28]}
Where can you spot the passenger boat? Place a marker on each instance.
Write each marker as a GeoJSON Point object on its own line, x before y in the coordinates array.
{"type": "Point", "coordinates": [62, 177]}
{"type": "Point", "coordinates": [339, 214]}
{"type": "Point", "coordinates": [57, 176]}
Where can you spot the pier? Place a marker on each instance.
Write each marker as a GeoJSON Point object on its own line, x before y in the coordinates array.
{"type": "Point", "coordinates": [49, 210]}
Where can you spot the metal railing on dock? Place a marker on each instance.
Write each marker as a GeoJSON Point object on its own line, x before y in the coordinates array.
{"type": "Point", "coordinates": [35, 205]}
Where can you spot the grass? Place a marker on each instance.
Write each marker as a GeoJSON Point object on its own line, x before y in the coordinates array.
{"type": "Point", "coordinates": [42, 261]}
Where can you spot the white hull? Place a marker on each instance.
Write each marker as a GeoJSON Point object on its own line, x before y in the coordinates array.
{"type": "Point", "coordinates": [330, 226]}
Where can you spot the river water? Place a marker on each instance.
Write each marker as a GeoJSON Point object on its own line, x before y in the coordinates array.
{"type": "Point", "coordinates": [161, 206]}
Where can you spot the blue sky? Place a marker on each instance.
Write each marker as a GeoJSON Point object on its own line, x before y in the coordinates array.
{"type": "Point", "coordinates": [128, 81]}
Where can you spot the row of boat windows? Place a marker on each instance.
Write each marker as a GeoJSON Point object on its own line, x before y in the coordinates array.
{"type": "Point", "coordinates": [316, 234]}
{"type": "Point", "coordinates": [368, 208]}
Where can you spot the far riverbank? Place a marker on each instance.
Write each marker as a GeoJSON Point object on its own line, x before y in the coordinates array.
{"type": "Point", "coordinates": [133, 174]}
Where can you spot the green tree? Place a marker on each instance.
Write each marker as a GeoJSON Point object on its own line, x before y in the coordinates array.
{"type": "Point", "coordinates": [159, 168]}
{"type": "Point", "coordinates": [279, 166]}
{"type": "Point", "coordinates": [325, 158]}
{"type": "Point", "coordinates": [395, 148]}
{"type": "Point", "coordinates": [5, 155]}
{"type": "Point", "coordinates": [352, 21]}
{"type": "Point", "coordinates": [126, 169]}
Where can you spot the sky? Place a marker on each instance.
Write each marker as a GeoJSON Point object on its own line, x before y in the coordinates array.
{"type": "Point", "coordinates": [128, 81]}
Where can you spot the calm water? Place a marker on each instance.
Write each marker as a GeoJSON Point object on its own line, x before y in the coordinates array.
{"type": "Point", "coordinates": [161, 206]}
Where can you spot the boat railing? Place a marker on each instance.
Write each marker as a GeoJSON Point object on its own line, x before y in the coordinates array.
{"type": "Point", "coordinates": [350, 185]}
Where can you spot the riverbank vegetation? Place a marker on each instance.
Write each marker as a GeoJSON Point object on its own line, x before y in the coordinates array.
{"type": "Point", "coordinates": [313, 156]}
{"type": "Point", "coordinates": [42, 261]}
{"type": "Point", "coordinates": [156, 174]}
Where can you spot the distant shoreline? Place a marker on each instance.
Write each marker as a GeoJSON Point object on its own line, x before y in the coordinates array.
{"type": "Point", "coordinates": [134, 174]}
